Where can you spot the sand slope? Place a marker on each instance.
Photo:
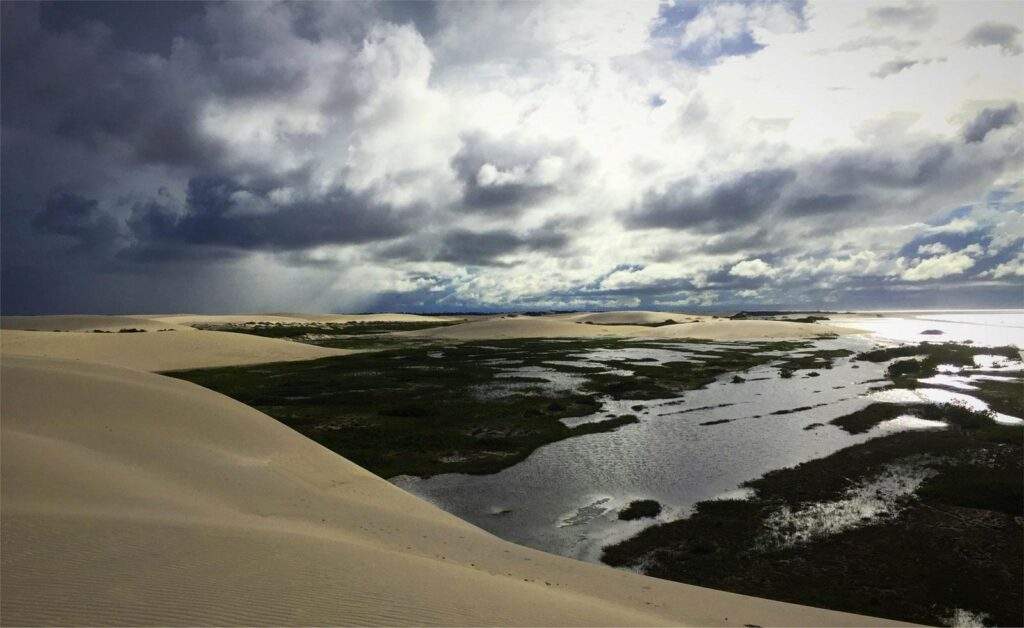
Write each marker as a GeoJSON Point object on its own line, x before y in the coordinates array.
{"type": "Point", "coordinates": [159, 350]}
{"type": "Point", "coordinates": [132, 498]}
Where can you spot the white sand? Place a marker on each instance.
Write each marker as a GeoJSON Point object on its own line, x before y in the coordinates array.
{"type": "Point", "coordinates": [84, 323]}
{"type": "Point", "coordinates": [185, 348]}
{"type": "Point", "coordinates": [566, 327]}
{"type": "Point", "coordinates": [752, 329]}
{"type": "Point", "coordinates": [633, 317]}
{"type": "Point", "coordinates": [133, 498]}
{"type": "Point", "coordinates": [609, 324]}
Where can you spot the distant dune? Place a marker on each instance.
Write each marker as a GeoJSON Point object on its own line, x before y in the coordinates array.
{"type": "Point", "coordinates": [222, 319]}
{"type": "Point", "coordinates": [159, 350]}
{"type": "Point", "coordinates": [87, 322]}
{"type": "Point", "coordinates": [133, 498]}
{"type": "Point", "coordinates": [625, 325]}
{"type": "Point", "coordinates": [84, 323]}
{"type": "Point", "coordinates": [635, 317]}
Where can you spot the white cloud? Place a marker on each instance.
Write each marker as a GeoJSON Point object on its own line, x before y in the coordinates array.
{"type": "Point", "coordinates": [935, 248]}
{"type": "Point", "coordinates": [752, 268]}
{"type": "Point", "coordinates": [1006, 270]}
{"type": "Point", "coordinates": [939, 267]}
{"type": "Point", "coordinates": [959, 225]}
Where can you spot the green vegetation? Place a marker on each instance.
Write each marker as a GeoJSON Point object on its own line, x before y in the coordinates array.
{"type": "Point", "coordinates": [640, 508]}
{"type": "Point", "coordinates": [374, 342]}
{"type": "Point", "coordinates": [1002, 396]}
{"type": "Point", "coordinates": [669, 379]}
{"type": "Point", "coordinates": [471, 407]}
{"type": "Point", "coordinates": [922, 362]}
{"type": "Point", "coordinates": [956, 544]}
{"type": "Point", "coordinates": [933, 354]}
{"type": "Point", "coordinates": [957, 415]}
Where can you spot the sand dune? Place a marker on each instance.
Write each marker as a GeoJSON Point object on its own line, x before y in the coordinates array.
{"type": "Point", "coordinates": [568, 327]}
{"type": "Point", "coordinates": [153, 322]}
{"type": "Point", "coordinates": [159, 350]}
{"type": "Point", "coordinates": [223, 319]}
{"type": "Point", "coordinates": [629, 324]}
{"type": "Point", "coordinates": [132, 498]}
{"type": "Point", "coordinates": [726, 329]}
{"type": "Point", "coordinates": [632, 317]}
{"type": "Point", "coordinates": [83, 323]}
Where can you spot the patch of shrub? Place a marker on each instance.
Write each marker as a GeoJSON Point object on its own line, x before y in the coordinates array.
{"type": "Point", "coordinates": [640, 508]}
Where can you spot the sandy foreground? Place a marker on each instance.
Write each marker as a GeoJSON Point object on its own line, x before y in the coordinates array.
{"type": "Point", "coordinates": [133, 498]}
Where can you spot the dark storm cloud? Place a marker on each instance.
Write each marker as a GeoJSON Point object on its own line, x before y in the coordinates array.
{"type": "Point", "coordinates": [850, 170]}
{"type": "Point", "coordinates": [477, 248]}
{"type": "Point", "coordinates": [481, 248]}
{"type": "Point", "coordinates": [991, 119]}
{"type": "Point", "coordinates": [822, 203]}
{"type": "Point", "coordinates": [841, 185]}
{"type": "Point", "coordinates": [79, 219]}
{"type": "Point", "coordinates": [521, 178]}
{"type": "Point", "coordinates": [854, 181]}
{"type": "Point", "coordinates": [734, 241]}
{"type": "Point", "coordinates": [113, 102]}
{"type": "Point", "coordinates": [728, 204]}
{"type": "Point", "coordinates": [221, 213]}
{"type": "Point", "coordinates": [148, 27]}
{"type": "Point", "coordinates": [1006, 36]}
{"type": "Point", "coordinates": [912, 15]}
{"type": "Point", "coordinates": [103, 103]}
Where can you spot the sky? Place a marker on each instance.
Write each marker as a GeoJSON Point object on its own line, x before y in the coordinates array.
{"type": "Point", "coordinates": [488, 156]}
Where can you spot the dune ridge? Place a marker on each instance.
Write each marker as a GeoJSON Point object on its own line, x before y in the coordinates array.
{"type": "Point", "coordinates": [632, 326]}
{"type": "Point", "coordinates": [160, 351]}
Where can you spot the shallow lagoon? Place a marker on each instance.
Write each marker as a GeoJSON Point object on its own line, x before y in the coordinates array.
{"type": "Point", "coordinates": [565, 497]}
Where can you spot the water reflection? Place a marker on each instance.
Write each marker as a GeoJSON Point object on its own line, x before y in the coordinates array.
{"type": "Point", "coordinates": [682, 451]}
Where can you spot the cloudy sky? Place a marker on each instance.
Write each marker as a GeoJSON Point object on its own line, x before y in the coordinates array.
{"type": "Point", "coordinates": [477, 156]}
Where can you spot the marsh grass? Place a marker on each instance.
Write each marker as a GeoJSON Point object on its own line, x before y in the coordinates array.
{"type": "Point", "coordinates": [955, 414]}
{"type": "Point", "coordinates": [957, 538]}
{"type": "Point", "coordinates": [639, 509]}
{"type": "Point", "coordinates": [471, 407]}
